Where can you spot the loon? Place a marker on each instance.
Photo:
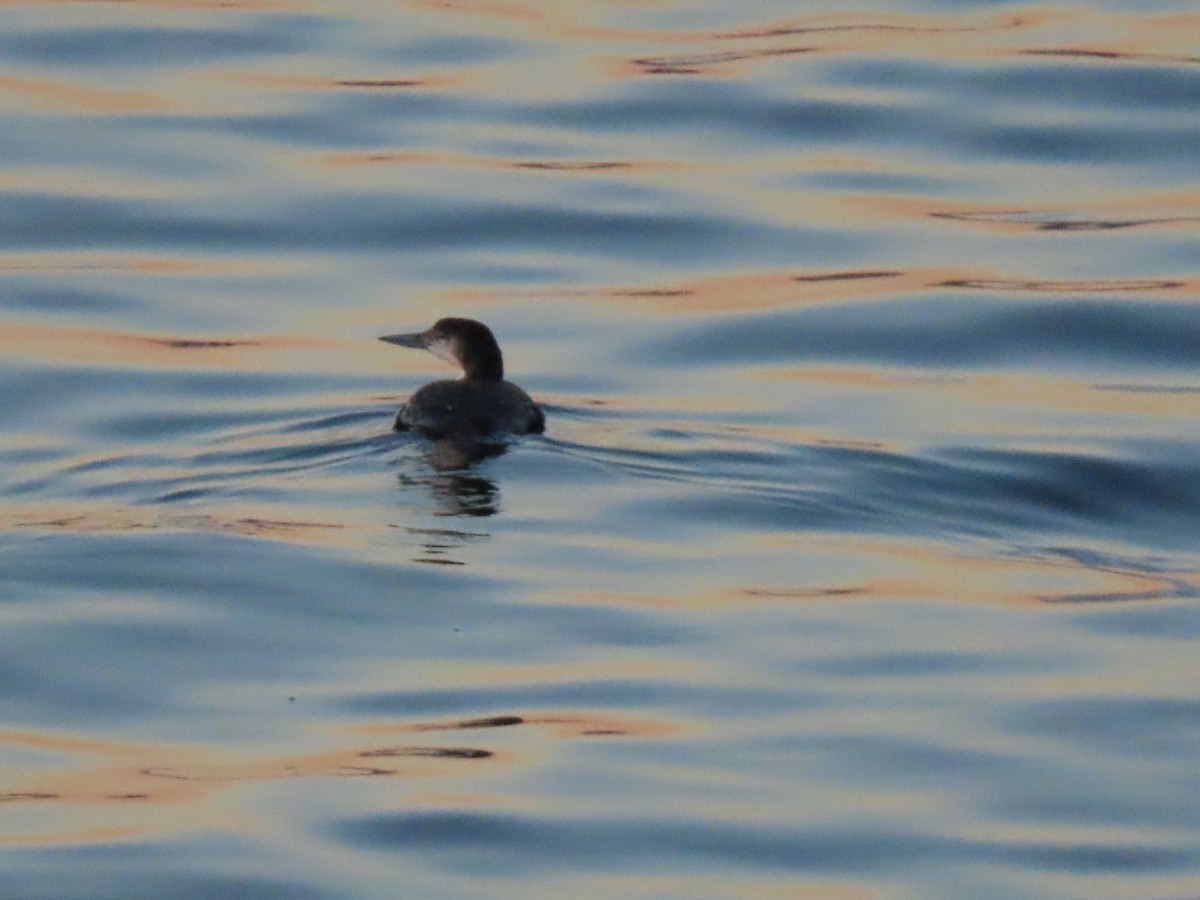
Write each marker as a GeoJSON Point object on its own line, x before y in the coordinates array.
{"type": "Point", "coordinates": [479, 406]}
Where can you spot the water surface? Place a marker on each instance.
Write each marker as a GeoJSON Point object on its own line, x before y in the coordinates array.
{"type": "Point", "coordinates": [859, 556]}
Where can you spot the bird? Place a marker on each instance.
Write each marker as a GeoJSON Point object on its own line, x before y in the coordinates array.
{"type": "Point", "coordinates": [480, 406]}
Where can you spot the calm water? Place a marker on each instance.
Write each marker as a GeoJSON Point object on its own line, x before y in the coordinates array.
{"type": "Point", "coordinates": [860, 558]}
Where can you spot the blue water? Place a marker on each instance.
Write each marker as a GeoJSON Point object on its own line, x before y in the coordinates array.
{"type": "Point", "coordinates": [860, 557]}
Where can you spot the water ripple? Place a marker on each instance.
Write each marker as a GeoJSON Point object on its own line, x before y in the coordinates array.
{"type": "Point", "coordinates": [858, 558]}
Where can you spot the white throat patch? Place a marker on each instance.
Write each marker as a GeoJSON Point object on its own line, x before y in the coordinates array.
{"type": "Point", "coordinates": [443, 348]}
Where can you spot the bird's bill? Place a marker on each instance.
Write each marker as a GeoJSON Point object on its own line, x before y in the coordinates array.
{"type": "Point", "coordinates": [416, 340]}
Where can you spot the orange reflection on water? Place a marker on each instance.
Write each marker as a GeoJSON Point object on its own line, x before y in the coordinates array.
{"type": "Point", "coordinates": [101, 790]}
{"type": "Point", "coordinates": [625, 50]}
{"type": "Point", "coordinates": [1179, 209]}
{"type": "Point", "coordinates": [617, 47]}
{"type": "Point", "coordinates": [103, 781]}
{"type": "Point", "coordinates": [260, 352]}
{"type": "Point", "coordinates": [74, 519]}
{"type": "Point", "coordinates": [564, 724]}
{"type": "Point", "coordinates": [878, 35]}
{"type": "Point", "coordinates": [83, 346]}
{"type": "Point", "coordinates": [1111, 37]}
{"type": "Point", "coordinates": [336, 527]}
{"type": "Point", "coordinates": [295, 81]}
{"type": "Point", "coordinates": [1163, 37]}
{"type": "Point", "coordinates": [851, 32]}
{"type": "Point", "coordinates": [106, 790]}
{"type": "Point", "coordinates": [903, 570]}
{"type": "Point", "coordinates": [234, 5]}
{"type": "Point", "coordinates": [70, 261]}
{"type": "Point", "coordinates": [751, 292]}
{"type": "Point", "coordinates": [39, 93]}
{"type": "Point", "coordinates": [924, 571]}
{"type": "Point", "coordinates": [975, 35]}
{"type": "Point", "coordinates": [744, 292]}
{"type": "Point", "coordinates": [730, 63]}
{"type": "Point", "coordinates": [468, 161]}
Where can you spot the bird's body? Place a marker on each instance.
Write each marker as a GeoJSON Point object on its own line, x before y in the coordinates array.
{"type": "Point", "coordinates": [479, 406]}
{"type": "Point", "coordinates": [470, 409]}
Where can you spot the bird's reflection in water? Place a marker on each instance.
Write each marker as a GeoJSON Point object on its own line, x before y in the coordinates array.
{"type": "Point", "coordinates": [457, 488]}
